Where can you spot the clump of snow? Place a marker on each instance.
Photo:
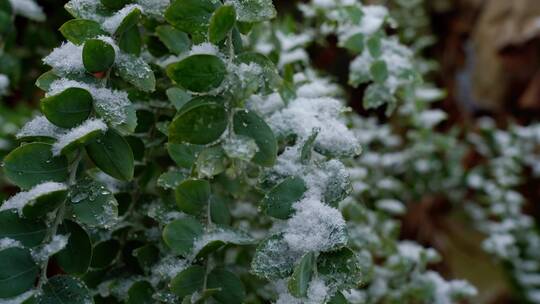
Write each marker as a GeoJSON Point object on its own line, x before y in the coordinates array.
{"type": "Point", "coordinates": [303, 115]}
{"type": "Point", "coordinates": [167, 268]}
{"type": "Point", "coordinates": [66, 59]}
{"type": "Point", "coordinates": [29, 9]}
{"type": "Point", "coordinates": [320, 88]}
{"type": "Point", "coordinates": [87, 127]}
{"type": "Point", "coordinates": [58, 242]}
{"type": "Point", "coordinates": [391, 206]}
{"type": "Point", "coordinates": [373, 18]}
{"type": "Point", "coordinates": [19, 200]}
{"type": "Point", "coordinates": [112, 23]}
{"type": "Point", "coordinates": [265, 105]}
{"type": "Point", "coordinates": [206, 48]}
{"type": "Point", "coordinates": [4, 84]}
{"type": "Point", "coordinates": [40, 126]}
{"type": "Point", "coordinates": [6, 243]}
{"type": "Point", "coordinates": [154, 8]}
{"type": "Point", "coordinates": [448, 292]}
{"type": "Point", "coordinates": [315, 227]}
{"type": "Point", "coordinates": [431, 118]}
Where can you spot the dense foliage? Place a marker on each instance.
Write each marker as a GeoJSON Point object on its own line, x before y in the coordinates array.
{"type": "Point", "coordinates": [189, 152]}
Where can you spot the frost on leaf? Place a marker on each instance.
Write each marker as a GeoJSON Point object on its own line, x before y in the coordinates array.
{"type": "Point", "coordinates": [39, 126]}
{"type": "Point", "coordinates": [21, 199]}
{"type": "Point", "coordinates": [76, 134]}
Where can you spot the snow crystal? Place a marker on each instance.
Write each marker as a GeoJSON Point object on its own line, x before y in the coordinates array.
{"type": "Point", "coordinates": [39, 126]}
{"type": "Point", "coordinates": [112, 23]}
{"type": "Point", "coordinates": [29, 9]}
{"type": "Point", "coordinates": [57, 243]}
{"type": "Point", "coordinates": [315, 227]}
{"type": "Point", "coordinates": [76, 133]}
{"type": "Point", "coordinates": [19, 200]}
{"type": "Point", "coordinates": [502, 245]}
{"type": "Point", "coordinates": [303, 115]}
{"type": "Point", "coordinates": [4, 84]}
{"type": "Point", "coordinates": [6, 243]}
{"type": "Point", "coordinates": [66, 59]}
{"type": "Point", "coordinates": [204, 48]}
{"type": "Point", "coordinates": [240, 147]}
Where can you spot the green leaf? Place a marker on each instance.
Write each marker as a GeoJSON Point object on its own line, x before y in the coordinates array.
{"type": "Point", "coordinates": [374, 45]}
{"type": "Point", "coordinates": [140, 292]}
{"type": "Point", "coordinates": [78, 31]}
{"type": "Point", "coordinates": [171, 179]}
{"type": "Point", "coordinates": [210, 162]}
{"type": "Point", "coordinates": [191, 16]}
{"type": "Point", "coordinates": [46, 79]}
{"type": "Point", "coordinates": [69, 108]}
{"type": "Point", "coordinates": [339, 185]}
{"type": "Point", "coordinates": [219, 212]}
{"type": "Point", "coordinates": [192, 196]}
{"type": "Point", "coordinates": [254, 10]}
{"type": "Point", "coordinates": [218, 237]}
{"type": "Point", "coordinates": [338, 299]}
{"type": "Point", "coordinates": [379, 71]}
{"type": "Point", "coordinates": [270, 262]}
{"type": "Point", "coordinates": [176, 41]}
{"type": "Point", "coordinates": [221, 23]}
{"type": "Point", "coordinates": [201, 124]}
{"type": "Point", "coordinates": [188, 281]}
{"type": "Point", "coordinates": [339, 268]}
{"type": "Point", "coordinates": [112, 154]}
{"type": "Point", "coordinates": [307, 148]}
{"type": "Point", "coordinates": [180, 234]}
{"type": "Point", "coordinates": [184, 155]}
{"type": "Point", "coordinates": [105, 253]}
{"type": "Point", "coordinates": [76, 256]}
{"type": "Point", "coordinates": [147, 256]}
{"type": "Point", "coordinates": [98, 55]}
{"type": "Point", "coordinates": [279, 201]}
{"type": "Point", "coordinates": [64, 289]}
{"type": "Point", "coordinates": [137, 72]}
{"type": "Point", "coordinates": [377, 95]}
{"type": "Point", "coordinates": [355, 43]}
{"type": "Point", "coordinates": [129, 21]}
{"type": "Point", "coordinates": [45, 203]}
{"type": "Point", "coordinates": [271, 78]}
{"type": "Point", "coordinates": [92, 204]}
{"type": "Point", "coordinates": [33, 164]}
{"type": "Point", "coordinates": [198, 73]}
{"type": "Point", "coordinates": [178, 97]}
{"type": "Point", "coordinates": [249, 124]}
{"type": "Point", "coordinates": [19, 271]}
{"type": "Point", "coordinates": [231, 289]}
{"type": "Point", "coordinates": [28, 232]}
{"type": "Point", "coordinates": [299, 281]}
{"type": "Point", "coordinates": [131, 42]}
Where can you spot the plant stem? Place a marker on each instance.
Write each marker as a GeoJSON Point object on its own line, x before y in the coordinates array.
{"type": "Point", "coordinates": [59, 216]}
